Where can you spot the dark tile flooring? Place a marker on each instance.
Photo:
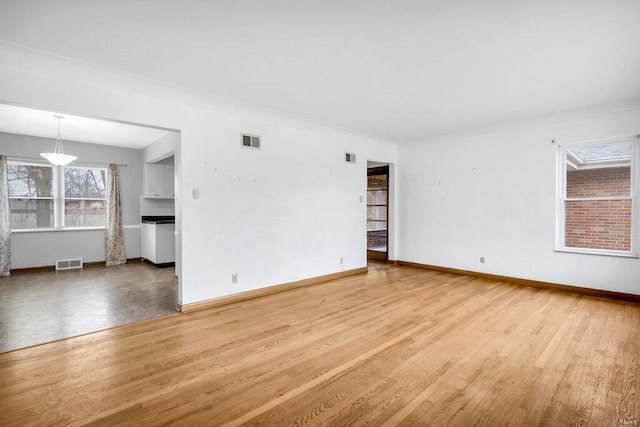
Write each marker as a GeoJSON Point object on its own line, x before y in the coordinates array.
{"type": "Point", "coordinates": [46, 306]}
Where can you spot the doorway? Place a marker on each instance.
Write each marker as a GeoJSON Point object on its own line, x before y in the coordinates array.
{"type": "Point", "coordinates": [377, 213]}
{"type": "Point", "coordinates": [41, 305]}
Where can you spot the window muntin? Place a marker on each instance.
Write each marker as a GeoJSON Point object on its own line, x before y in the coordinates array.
{"type": "Point", "coordinates": [597, 207]}
{"type": "Point", "coordinates": [377, 201]}
{"type": "Point", "coordinates": [31, 195]}
{"type": "Point", "coordinates": [45, 196]}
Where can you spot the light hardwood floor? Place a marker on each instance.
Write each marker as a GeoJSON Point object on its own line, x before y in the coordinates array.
{"type": "Point", "coordinates": [396, 346]}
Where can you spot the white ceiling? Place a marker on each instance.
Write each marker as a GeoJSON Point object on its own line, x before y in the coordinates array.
{"type": "Point", "coordinates": [27, 121]}
{"type": "Point", "coordinates": [396, 69]}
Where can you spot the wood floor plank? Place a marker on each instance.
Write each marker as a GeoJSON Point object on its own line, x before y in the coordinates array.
{"type": "Point", "coordinates": [396, 346]}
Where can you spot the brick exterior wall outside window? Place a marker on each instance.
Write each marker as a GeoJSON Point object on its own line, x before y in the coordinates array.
{"type": "Point", "coordinates": [599, 224]}
{"type": "Point", "coordinates": [376, 238]}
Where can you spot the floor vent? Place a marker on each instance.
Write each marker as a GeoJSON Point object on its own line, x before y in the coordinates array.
{"type": "Point", "coordinates": [68, 264]}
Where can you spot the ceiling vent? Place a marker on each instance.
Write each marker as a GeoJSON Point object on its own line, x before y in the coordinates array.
{"type": "Point", "coordinates": [349, 157]}
{"type": "Point", "coordinates": [250, 141]}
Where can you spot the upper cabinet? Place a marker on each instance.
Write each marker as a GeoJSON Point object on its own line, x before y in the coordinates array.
{"type": "Point", "coordinates": [158, 181]}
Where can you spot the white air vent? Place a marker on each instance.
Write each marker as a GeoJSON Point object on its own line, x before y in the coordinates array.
{"type": "Point", "coordinates": [68, 264]}
{"type": "Point", "coordinates": [250, 141]}
{"type": "Point", "coordinates": [349, 157]}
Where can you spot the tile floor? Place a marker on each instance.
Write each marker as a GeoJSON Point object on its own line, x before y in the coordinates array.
{"type": "Point", "coordinates": [47, 306]}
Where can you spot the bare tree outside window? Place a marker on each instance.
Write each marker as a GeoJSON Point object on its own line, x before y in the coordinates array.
{"type": "Point", "coordinates": [85, 197]}
{"type": "Point", "coordinates": [30, 195]}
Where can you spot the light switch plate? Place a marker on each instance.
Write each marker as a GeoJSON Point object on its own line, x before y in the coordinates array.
{"type": "Point", "coordinates": [196, 193]}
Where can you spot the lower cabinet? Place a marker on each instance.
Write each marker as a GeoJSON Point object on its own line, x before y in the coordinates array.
{"type": "Point", "coordinates": [157, 242]}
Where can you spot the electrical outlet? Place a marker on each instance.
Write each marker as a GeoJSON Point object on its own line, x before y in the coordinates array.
{"type": "Point", "coordinates": [341, 260]}
{"type": "Point", "coordinates": [234, 278]}
{"type": "Point", "coordinates": [481, 260]}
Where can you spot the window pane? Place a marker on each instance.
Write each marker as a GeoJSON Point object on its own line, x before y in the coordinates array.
{"type": "Point", "coordinates": [85, 183]}
{"type": "Point", "coordinates": [600, 182]}
{"type": "Point", "coordinates": [377, 197]}
{"type": "Point", "coordinates": [84, 213]}
{"type": "Point", "coordinates": [377, 213]}
{"type": "Point", "coordinates": [598, 224]}
{"type": "Point", "coordinates": [29, 213]}
{"type": "Point", "coordinates": [377, 182]}
{"type": "Point", "coordinates": [377, 240]}
{"type": "Point", "coordinates": [376, 225]}
{"type": "Point", "coordinates": [598, 154]}
{"type": "Point", "coordinates": [29, 181]}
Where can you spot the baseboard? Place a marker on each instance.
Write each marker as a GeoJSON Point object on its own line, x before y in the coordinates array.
{"type": "Point", "coordinates": [53, 267]}
{"type": "Point", "coordinates": [527, 282]}
{"type": "Point", "coordinates": [270, 290]}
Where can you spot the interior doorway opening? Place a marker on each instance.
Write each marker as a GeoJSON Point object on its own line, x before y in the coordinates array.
{"type": "Point", "coordinates": [377, 212]}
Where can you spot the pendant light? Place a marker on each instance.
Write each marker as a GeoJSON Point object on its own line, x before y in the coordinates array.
{"type": "Point", "coordinates": [58, 157]}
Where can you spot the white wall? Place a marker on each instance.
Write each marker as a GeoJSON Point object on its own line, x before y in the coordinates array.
{"type": "Point", "coordinates": [286, 212]}
{"type": "Point", "coordinates": [162, 148]}
{"type": "Point", "coordinates": [42, 248]}
{"type": "Point", "coordinates": [493, 194]}
{"type": "Point", "coordinates": [167, 146]}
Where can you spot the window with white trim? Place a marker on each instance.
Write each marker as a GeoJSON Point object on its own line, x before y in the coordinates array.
{"type": "Point", "coordinates": [597, 206]}
{"type": "Point", "coordinates": [43, 196]}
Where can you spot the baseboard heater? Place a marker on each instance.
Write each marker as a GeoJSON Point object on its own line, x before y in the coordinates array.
{"type": "Point", "coordinates": [68, 264]}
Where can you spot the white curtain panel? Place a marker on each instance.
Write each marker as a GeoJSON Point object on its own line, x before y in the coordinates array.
{"type": "Point", "coordinates": [5, 221]}
{"type": "Point", "coordinates": [113, 232]}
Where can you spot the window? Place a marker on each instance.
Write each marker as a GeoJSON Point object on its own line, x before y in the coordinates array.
{"type": "Point", "coordinates": [597, 207]}
{"type": "Point", "coordinates": [85, 197]}
{"type": "Point", "coordinates": [30, 195]}
{"type": "Point", "coordinates": [377, 211]}
{"type": "Point", "coordinates": [46, 196]}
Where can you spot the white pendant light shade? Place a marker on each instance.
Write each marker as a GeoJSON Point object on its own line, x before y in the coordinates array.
{"type": "Point", "coordinates": [58, 157]}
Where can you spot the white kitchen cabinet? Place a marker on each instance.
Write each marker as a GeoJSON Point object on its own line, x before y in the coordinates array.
{"type": "Point", "coordinates": [157, 242]}
{"type": "Point", "coordinates": [158, 181]}
{"type": "Point", "coordinates": [169, 182]}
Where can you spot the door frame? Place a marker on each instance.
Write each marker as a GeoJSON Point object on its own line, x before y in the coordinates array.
{"type": "Point", "coordinates": [374, 171]}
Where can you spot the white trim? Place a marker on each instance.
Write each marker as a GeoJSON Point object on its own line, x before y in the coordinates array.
{"type": "Point", "coordinates": [596, 142]}
{"type": "Point", "coordinates": [58, 197]}
{"type": "Point", "coordinates": [66, 229]}
{"type": "Point", "coordinates": [48, 230]}
{"type": "Point", "coordinates": [598, 252]}
{"type": "Point", "coordinates": [635, 214]}
{"type": "Point", "coordinates": [596, 199]}
{"type": "Point", "coordinates": [28, 161]}
{"type": "Point", "coordinates": [29, 198]}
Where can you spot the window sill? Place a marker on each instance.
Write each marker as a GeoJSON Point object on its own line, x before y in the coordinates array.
{"type": "Point", "coordinates": [49, 230]}
{"type": "Point", "coordinates": [598, 252]}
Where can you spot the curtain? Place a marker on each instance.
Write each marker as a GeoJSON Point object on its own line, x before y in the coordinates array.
{"type": "Point", "coordinates": [5, 221]}
{"type": "Point", "coordinates": [113, 232]}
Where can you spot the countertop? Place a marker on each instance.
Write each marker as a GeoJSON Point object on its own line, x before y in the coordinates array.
{"type": "Point", "coordinates": [158, 219]}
